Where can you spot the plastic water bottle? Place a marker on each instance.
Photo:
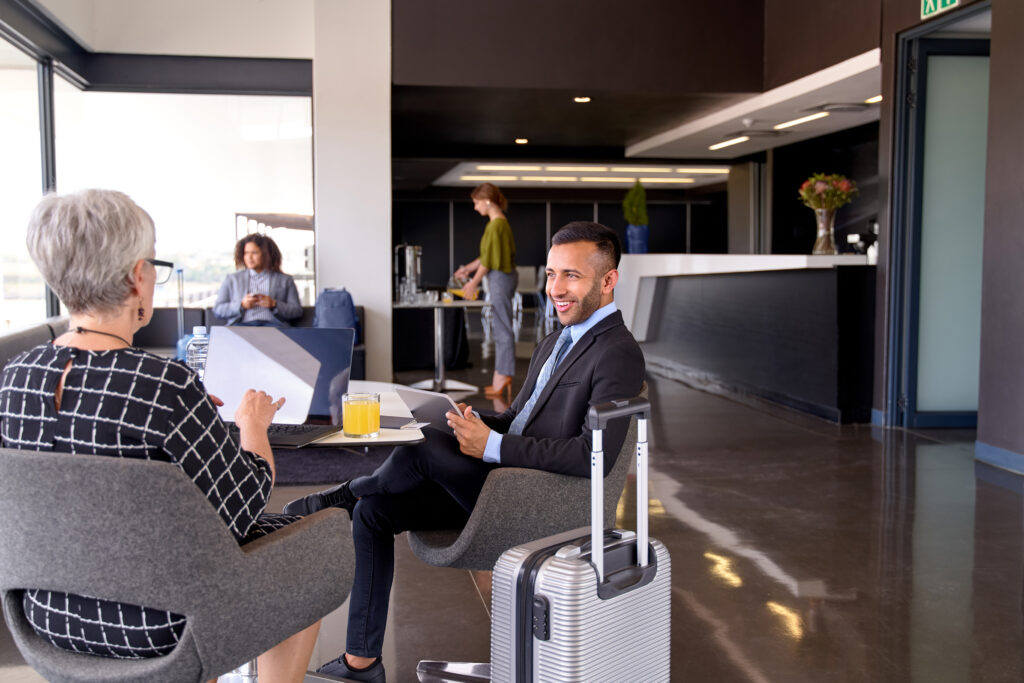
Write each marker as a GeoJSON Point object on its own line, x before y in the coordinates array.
{"type": "Point", "coordinates": [195, 350]}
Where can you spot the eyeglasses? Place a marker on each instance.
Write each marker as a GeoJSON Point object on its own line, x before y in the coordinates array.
{"type": "Point", "coordinates": [163, 269]}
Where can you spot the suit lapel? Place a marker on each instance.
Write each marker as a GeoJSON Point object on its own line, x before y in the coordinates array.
{"type": "Point", "coordinates": [574, 354]}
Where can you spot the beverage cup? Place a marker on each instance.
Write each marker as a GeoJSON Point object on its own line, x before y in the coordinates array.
{"type": "Point", "coordinates": [447, 297]}
{"type": "Point", "coordinates": [360, 415]}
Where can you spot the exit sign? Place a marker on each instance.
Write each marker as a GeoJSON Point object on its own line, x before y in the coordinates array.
{"type": "Point", "coordinates": [930, 8]}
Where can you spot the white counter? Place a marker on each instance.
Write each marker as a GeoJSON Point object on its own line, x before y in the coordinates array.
{"type": "Point", "coordinates": [638, 273]}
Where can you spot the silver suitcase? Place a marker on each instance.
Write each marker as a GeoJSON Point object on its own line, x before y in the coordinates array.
{"type": "Point", "coordinates": [562, 612]}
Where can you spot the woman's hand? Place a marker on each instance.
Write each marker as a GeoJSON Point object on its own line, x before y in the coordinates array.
{"type": "Point", "coordinates": [469, 290]}
{"type": "Point", "coordinates": [461, 273]}
{"type": "Point", "coordinates": [257, 410]}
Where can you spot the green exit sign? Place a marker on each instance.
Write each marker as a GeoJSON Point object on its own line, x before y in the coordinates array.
{"type": "Point", "coordinates": [930, 8]}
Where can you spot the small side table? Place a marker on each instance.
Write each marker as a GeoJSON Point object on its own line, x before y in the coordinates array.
{"type": "Point", "coordinates": [440, 383]}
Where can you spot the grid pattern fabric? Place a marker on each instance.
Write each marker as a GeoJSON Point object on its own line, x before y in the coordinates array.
{"type": "Point", "coordinates": [133, 404]}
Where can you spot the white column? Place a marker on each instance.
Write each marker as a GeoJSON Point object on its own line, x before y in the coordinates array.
{"type": "Point", "coordinates": [352, 162]}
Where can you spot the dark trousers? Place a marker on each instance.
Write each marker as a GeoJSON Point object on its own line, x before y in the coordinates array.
{"type": "Point", "coordinates": [427, 486]}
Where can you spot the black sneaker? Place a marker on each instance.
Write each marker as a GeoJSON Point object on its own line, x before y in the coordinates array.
{"type": "Point", "coordinates": [337, 496]}
{"type": "Point", "coordinates": [339, 667]}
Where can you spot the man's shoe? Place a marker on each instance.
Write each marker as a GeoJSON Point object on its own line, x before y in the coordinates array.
{"type": "Point", "coordinates": [339, 667]}
{"type": "Point", "coordinates": [337, 496]}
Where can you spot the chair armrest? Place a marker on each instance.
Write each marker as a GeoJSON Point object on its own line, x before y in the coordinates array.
{"type": "Point", "coordinates": [516, 505]}
{"type": "Point", "coordinates": [280, 583]}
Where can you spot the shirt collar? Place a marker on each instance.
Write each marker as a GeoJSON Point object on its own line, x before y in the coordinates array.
{"type": "Point", "coordinates": [579, 329]}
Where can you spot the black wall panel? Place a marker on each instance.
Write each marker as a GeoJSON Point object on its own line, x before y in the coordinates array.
{"type": "Point", "coordinates": [529, 227]}
{"type": "Point", "coordinates": [425, 224]}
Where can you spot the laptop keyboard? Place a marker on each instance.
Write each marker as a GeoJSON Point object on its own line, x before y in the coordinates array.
{"type": "Point", "coordinates": [281, 429]}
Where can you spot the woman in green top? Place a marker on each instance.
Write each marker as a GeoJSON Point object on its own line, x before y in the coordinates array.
{"type": "Point", "coordinates": [498, 262]}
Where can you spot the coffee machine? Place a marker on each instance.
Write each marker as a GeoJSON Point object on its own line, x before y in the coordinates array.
{"type": "Point", "coordinates": [407, 272]}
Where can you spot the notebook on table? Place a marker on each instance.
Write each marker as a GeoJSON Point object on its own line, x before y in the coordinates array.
{"type": "Point", "coordinates": [309, 366]}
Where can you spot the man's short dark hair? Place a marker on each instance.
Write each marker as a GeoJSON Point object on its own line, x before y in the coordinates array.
{"type": "Point", "coordinates": [606, 239]}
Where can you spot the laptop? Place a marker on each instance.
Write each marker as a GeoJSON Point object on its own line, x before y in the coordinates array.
{"type": "Point", "coordinates": [309, 366]}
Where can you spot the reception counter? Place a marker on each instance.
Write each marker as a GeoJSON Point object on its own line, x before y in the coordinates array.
{"type": "Point", "coordinates": [795, 330]}
{"type": "Point", "coordinates": [638, 275]}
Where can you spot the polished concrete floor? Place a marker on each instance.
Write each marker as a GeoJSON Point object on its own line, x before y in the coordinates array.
{"type": "Point", "coordinates": [801, 551]}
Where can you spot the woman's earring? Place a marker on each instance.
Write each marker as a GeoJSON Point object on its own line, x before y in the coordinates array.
{"type": "Point", "coordinates": [142, 311]}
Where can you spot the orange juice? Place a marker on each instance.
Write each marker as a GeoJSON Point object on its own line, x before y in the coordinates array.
{"type": "Point", "coordinates": [360, 415]}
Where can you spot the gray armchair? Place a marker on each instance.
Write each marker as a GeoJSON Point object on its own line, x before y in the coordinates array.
{"type": "Point", "coordinates": [516, 505]}
{"type": "Point", "coordinates": [140, 532]}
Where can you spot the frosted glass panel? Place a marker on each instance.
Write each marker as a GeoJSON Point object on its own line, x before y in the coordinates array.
{"type": "Point", "coordinates": [952, 219]}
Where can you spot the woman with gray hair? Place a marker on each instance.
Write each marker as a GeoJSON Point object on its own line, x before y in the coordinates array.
{"type": "Point", "coordinates": [92, 392]}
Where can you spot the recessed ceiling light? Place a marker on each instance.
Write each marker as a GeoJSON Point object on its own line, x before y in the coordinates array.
{"type": "Point", "coordinates": [640, 169]}
{"type": "Point", "coordinates": [873, 100]}
{"type": "Point", "coordinates": [666, 180]}
{"type": "Point", "coordinates": [549, 178]}
{"type": "Point", "coordinates": [484, 178]}
{"type": "Point", "coordinates": [607, 179]}
{"type": "Point", "coordinates": [581, 100]}
{"type": "Point", "coordinates": [802, 119]}
{"type": "Point", "coordinates": [714, 171]}
{"type": "Point", "coordinates": [521, 141]}
{"type": "Point", "coordinates": [500, 167]}
{"type": "Point", "coordinates": [727, 143]}
{"type": "Point", "coordinates": [578, 169]}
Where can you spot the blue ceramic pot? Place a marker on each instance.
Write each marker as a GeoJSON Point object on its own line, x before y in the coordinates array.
{"type": "Point", "coordinates": [636, 239]}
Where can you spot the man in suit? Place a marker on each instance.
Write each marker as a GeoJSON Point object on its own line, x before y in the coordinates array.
{"type": "Point", "coordinates": [434, 485]}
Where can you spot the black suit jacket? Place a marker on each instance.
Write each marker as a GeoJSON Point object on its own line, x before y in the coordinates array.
{"type": "Point", "coordinates": [605, 364]}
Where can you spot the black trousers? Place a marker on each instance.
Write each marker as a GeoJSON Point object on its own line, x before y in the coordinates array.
{"type": "Point", "coordinates": [431, 485]}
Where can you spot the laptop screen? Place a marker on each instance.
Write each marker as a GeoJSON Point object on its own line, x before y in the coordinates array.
{"type": "Point", "coordinates": [309, 366]}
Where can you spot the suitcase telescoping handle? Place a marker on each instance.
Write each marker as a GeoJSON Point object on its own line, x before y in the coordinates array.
{"type": "Point", "coordinates": [597, 420]}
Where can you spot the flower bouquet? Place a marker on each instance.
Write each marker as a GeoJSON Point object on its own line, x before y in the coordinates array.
{"type": "Point", "coordinates": [825, 193]}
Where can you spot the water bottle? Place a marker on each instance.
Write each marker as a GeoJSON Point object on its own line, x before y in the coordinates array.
{"type": "Point", "coordinates": [195, 350]}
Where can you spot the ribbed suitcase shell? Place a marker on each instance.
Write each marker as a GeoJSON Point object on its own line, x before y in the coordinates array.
{"type": "Point", "coordinates": [622, 639]}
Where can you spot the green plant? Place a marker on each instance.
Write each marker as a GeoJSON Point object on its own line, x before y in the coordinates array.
{"type": "Point", "coordinates": [634, 206]}
{"type": "Point", "coordinates": [822, 191]}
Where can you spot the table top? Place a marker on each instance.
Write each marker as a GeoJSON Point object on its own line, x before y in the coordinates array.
{"type": "Point", "coordinates": [460, 303]}
{"type": "Point", "coordinates": [392, 405]}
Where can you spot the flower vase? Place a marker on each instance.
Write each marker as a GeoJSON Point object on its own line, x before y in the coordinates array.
{"type": "Point", "coordinates": [636, 239]}
{"type": "Point", "coordinates": [826, 242]}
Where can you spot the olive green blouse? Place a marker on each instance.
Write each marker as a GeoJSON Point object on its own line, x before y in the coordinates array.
{"type": "Point", "coordinates": [498, 247]}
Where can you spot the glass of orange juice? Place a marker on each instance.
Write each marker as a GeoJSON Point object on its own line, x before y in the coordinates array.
{"type": "Point", "coordinates": [360, 415]}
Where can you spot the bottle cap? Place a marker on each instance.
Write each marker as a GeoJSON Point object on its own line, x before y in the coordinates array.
{"type": "Point", "coordinates": [199, 329]}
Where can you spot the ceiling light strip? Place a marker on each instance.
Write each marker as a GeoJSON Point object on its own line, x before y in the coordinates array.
{"type": "Point", "coordinates": [606, 179]}
{"type": "Point", "coordinates": [802, 119]}
{"type": "Point", "coordinates": [549, 178]}
{"type": "Point", "coordinates": [640, 169]}
{"type": "Point", "coordinates": [666, 180]}
{"type": "Point", "coordinates": [489, 177]}
{"type": "Point", "coordinates": [578, 169]}
{"type": "Point", "coordinates": [499, 167]}
{"type": "Point", "coordinates": [713, 171]}
{"type": "Point", "coordinates": [729, 143]}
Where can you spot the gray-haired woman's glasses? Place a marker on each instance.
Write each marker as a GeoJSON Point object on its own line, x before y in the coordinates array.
{"type": "Point", "coordinates": [163, 269]}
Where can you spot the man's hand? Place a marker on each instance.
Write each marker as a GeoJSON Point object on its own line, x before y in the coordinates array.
{"type": "Point", "coordinates": [470, 431]}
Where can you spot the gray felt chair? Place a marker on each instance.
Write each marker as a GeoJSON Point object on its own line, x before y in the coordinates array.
{"type": "Point", "coordinates": [141, 532]}
{"type": "Point", "coordinates": [516, 505]}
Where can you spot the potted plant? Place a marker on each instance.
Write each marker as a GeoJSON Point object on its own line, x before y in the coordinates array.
{"type": "Point", "coordinates": [825, 193]}
{"type": "Point", "coordinates": [634, 207]}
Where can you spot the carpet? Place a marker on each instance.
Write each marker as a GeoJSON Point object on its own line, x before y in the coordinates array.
{"type": "Point", "coordinates": [298, 466]}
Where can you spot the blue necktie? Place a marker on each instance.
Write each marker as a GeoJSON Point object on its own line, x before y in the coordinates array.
{"type": "Point", "coordinates": [561, 346]}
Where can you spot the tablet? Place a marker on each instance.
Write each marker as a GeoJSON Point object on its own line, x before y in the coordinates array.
{"type": "Point", "coordinates": [428, 406]}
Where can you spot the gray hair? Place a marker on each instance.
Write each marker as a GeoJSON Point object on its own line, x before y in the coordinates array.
{"type": "Point", "coordinates": [85, 244]}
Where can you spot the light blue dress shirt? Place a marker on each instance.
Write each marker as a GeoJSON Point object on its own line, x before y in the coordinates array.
{"type": "Point", "coordinates": [492, 451]}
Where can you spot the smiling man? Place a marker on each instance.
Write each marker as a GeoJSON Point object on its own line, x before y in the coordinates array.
{"type": "Point", "coordinates": [434, 485]}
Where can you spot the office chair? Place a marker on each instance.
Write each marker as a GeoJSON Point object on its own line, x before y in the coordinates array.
{"type": "Point", "coordinates": [141, 532]}
{"type": "Point", "coordinates": [516, 505]}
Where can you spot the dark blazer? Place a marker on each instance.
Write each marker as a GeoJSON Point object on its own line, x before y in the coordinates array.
{"type": "Point", "coordinates": [605, 364]}
{"type": "Point", "coordinates": [234, 289]}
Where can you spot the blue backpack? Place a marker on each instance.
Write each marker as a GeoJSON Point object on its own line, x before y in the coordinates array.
{"type": "Point", "coordinates": [334, 308]}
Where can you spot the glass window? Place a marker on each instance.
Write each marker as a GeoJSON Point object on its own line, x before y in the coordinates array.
{"type": "Point", "coordinates": [193, 162]}
{"type": "Point", "coordinates": [22, 291]}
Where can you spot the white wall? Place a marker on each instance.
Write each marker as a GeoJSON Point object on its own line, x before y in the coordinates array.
{"type": "Point", "coordinates": [352, 162]}
{"type": "Point", "coordinates": [212, 28]}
